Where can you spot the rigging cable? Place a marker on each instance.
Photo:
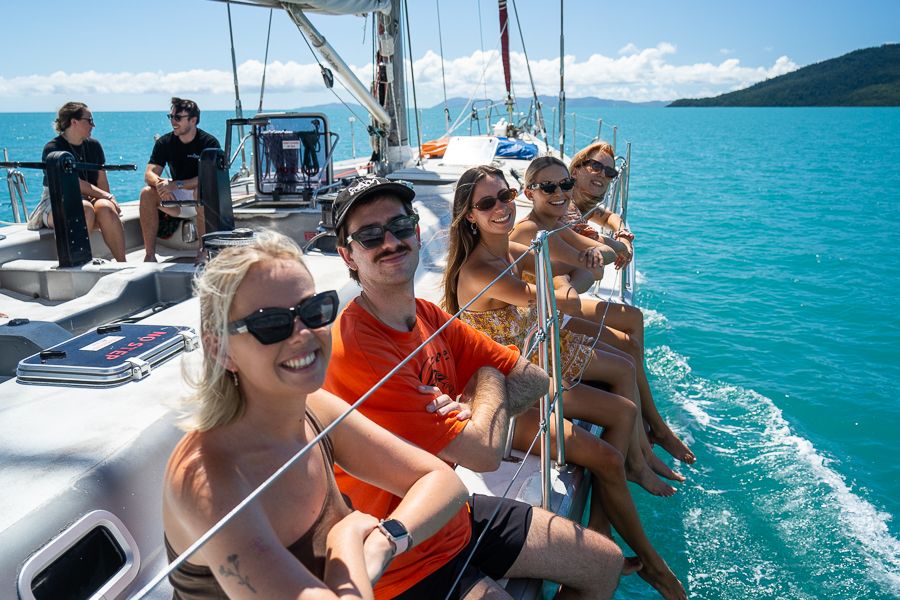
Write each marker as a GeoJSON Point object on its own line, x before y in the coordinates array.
{"type": "Point", "coordinates": [412, 76]}
{"type": "Point", "coordinates": [238, 110]}
{"type": "Point", "coordinates": [262, 86]}
{"type": "Point", "coordinates": [437, 6]}
{"type": "Point", "coordinates": [562, 84]}
{"type": "Point", "coordinates": [539, 116]}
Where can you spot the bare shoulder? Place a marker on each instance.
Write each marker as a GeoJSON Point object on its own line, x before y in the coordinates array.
{"type": "Point", "coordinates": [200, 464]}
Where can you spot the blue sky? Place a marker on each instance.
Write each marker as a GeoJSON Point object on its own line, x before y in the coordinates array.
{"type": "Point", "coordinates": [126, 55]}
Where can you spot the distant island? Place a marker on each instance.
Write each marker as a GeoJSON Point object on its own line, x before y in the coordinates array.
{"type": "Point", "coordinates": [868, 77]}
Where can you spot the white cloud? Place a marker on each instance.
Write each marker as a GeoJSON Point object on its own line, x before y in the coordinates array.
{"type": "Point", "coordinates": [636, 74]}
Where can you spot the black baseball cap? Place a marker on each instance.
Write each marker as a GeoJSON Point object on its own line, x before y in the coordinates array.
{"type": "Point", "coordinates": [365, 187]}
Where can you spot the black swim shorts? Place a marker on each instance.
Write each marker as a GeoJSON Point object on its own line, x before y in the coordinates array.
{"type": "Point", "coordinates": [504, 538]}
{"type": "Point", "coordinates": [168, 225]}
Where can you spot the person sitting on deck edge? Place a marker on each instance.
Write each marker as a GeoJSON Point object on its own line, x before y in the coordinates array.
{"type": "Point", "coordinates": [179, 149]}
{"type": "Point", "coordinates": [378, 240]}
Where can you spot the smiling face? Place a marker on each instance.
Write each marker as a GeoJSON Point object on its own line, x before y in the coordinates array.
{"type": "Point", "coordinates": [500, 218]}
{"type": "Point", "coordinates": [394, 261]}
{"type": "Point", "coordinates": [182, 124]}
{"type": "Point", "coordinates": [555, 204]}
{"type": "Point", "coordinates": [295, 365]}
{"type": "Point", "coordinates": [589, 182]}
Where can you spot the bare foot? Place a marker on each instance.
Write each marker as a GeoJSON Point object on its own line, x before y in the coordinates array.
{"type": "Point", "coordinates": [647, 479]}
{"type": "Point", "coordinates": [661, 468]}
{"type": "Point", "coordinates": [631, 565]}
{"type": "Point", "coordinates": [150, 258]}
{"type": "Point", "coordinates": [663, 581]}
{"type": "Point", "coordinates": [673, 445]}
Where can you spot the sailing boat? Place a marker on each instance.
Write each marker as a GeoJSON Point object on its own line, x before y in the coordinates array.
{"type": "Point", "coordinates": [84, 437]}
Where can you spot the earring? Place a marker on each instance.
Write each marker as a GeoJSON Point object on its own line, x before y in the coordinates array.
{"type": "Point", "coordinates": [234, 378]}
{"type": "Point", "coordinates": [473, 227]}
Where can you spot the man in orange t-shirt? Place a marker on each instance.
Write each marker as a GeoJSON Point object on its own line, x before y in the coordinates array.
{"type": "Point", "coordinates": [378, 239]}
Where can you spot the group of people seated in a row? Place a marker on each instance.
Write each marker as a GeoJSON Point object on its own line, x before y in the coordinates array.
{"type": "Point", "coordinates": [375, 509]}
{"type": "Point", "coordinates": [176, 154]}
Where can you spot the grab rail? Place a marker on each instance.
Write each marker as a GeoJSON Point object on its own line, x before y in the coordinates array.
{"type": "Point", "coordinates": [15, 182]}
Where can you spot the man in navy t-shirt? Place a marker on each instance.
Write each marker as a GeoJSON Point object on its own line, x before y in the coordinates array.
{"type": "Point", "coordinates": [180, 151]}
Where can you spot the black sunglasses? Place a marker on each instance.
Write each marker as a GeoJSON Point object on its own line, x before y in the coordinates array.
{"type": "Point", "coordinates": [595, 166]}
{"type": "Point", "coordinates": [272, 325]}
{"type": "Point", "coordinates": [88, 119]}
{"type": "Point", "coordinates": [372, 236]}
{"type": "Point", "coordinates": [488, 202]}
{"type": "Point", "coordinates": [174, 117]}
{"type": "Point", "coordinates": [548, 187]}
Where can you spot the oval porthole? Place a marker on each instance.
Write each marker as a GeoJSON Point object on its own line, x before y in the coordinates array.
{"type": "Point", "coordinates": [95, 557]}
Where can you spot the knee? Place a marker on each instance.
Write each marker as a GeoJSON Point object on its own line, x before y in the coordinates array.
{"type": "Point", "coordinates": [608, 460]}
{"type": "Point", "coordinates": [149, 196]}
{"type": "Point", "coordinates": [104, 210]}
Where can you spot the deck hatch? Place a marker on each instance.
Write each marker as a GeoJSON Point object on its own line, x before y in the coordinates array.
{"type": "Point", "coordinates": [93, 558]}
{"type": "Point", "coordinates": [107, 356]}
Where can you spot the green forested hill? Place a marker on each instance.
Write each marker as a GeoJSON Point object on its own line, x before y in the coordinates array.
{"type": "Point", "coordinates": [868, 77]}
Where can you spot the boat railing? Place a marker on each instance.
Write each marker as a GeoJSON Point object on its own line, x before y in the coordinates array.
{"type": "Point", "coordinates": [18, 188]}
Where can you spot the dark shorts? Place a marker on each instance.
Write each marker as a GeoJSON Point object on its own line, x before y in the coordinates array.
{"type": "Point", "coordinates": [168, 225]}
{"type": "Point", "coordinates": [503, 540]}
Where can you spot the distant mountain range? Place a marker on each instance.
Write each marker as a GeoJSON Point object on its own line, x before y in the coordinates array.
{"type": "Point", "coordinates": [550, 102]}
{"type": "Point", "coordinates": [868, 77]}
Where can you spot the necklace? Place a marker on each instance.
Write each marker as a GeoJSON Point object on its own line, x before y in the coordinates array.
{"type": "Point", "coordinates": [75, 153]}
{"type": "Point", "coordinates": [505, 259]}
{"type": "Point", "coordinates": [410, 323]}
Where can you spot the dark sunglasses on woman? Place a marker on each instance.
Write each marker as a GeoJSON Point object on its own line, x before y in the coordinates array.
{"type": "Point", "coordinates": [488, 202]}
{"type": "Point", "coordinates": [595, 166]}
{"type": "Point", "coordinates": [273, 325]}
{"type": "Point", "coordinates": [372, 236]}
{"type": "Point", "coordinates": [548, 187]}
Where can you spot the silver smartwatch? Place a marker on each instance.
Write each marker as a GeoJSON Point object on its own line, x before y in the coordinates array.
{"type": "Point", "coordinates": [396, 533]}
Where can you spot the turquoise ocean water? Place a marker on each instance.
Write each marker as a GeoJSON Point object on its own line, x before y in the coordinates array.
{"type": "Point", "coordinates": [769, 261]}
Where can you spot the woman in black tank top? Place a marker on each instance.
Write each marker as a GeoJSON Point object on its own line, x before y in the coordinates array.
{"type": "Point", "coordinates": [259, 403]}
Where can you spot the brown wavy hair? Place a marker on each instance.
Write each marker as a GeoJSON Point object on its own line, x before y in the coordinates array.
{"type": "Point", "coordinates": [67, 112]}
{"type": "Point", "coordinates": [462, 239]}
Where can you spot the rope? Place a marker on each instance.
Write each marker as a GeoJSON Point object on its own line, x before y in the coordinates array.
{"type": "Point", "coordinates": [412, 76]}
{"type": "Point", "coordinates": [437, 7]}
{"type": "Point", "coordinates": [537, 105]}
{"type": "Point", "coordinates": [327, 74]}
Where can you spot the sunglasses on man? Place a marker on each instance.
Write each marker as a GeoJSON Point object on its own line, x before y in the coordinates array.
{"type": "Point", "coordinates": [548, 187]}
{"type": "Point", "coordinates": [488, 202]}
{"type": "Point", "coordinates": [595, 166]}
{"type": "Point", "coordinates": [275, 324]}
{"type": "Point", "coordinates": [174, 117]}
{"type": "Point", "coordinates": [372, 236]}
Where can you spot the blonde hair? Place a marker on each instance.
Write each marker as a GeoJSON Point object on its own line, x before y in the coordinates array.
{"type": "Point", "coordinates": [582, 155]}
{"type": "Point", "coordinates": [219, 399]}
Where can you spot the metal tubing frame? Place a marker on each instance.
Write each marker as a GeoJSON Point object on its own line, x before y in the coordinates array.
{"type": "Point", "coordinates": [555, 353]}
{"type": "Point", "coordinates": [543, 313]}
{"type": "Point", "coordinates": [337, 63]}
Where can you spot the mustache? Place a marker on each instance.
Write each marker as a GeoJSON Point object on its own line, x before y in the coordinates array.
{"type": "Point", "coordinates": [402, 247]}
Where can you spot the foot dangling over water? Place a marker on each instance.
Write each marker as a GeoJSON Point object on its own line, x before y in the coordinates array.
{"type": "Point", "coordinates": [672, 444]}
{"type": "Point", "coordinates": [647, 479]}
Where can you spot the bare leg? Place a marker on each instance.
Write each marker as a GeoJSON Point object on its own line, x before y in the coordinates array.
{"type": "Point", "coordinates": [107, 217]}
{"type": "Point", "coordinates": [586, 563]}
{"type": "Point", "coordinates": [617, 370]}
{"type": "Point", "coordinates": [624, 329]}
{"type": "Point", "coordinates": [611, 498]}
{"type": "Point", "coordinates": [89, 217]}
{"type": "Point", "coordinates": [149, 221]}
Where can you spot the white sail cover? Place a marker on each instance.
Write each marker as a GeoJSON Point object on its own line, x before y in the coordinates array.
{"type": "Point", "coordinates": [328, 7]}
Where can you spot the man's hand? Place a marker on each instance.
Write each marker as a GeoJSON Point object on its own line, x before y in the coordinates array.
{"type": "Point", "coordinates": [444, 404]}
{"type": "Point", "coordinates": [164, 189]}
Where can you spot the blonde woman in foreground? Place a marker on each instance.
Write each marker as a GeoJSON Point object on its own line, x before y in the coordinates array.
{"type": "Point", "coordinates": [267, 342]}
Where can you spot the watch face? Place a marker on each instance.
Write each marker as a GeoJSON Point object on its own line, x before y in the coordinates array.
{"type": "Point", "coordinates": [394, 527]}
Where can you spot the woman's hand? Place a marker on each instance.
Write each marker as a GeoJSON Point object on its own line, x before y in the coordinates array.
{"type": "Point", "coordinates": [592, 257]}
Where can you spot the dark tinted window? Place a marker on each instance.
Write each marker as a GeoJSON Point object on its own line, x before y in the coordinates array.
{"type": "Point", "coordinates": [82, 569]}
